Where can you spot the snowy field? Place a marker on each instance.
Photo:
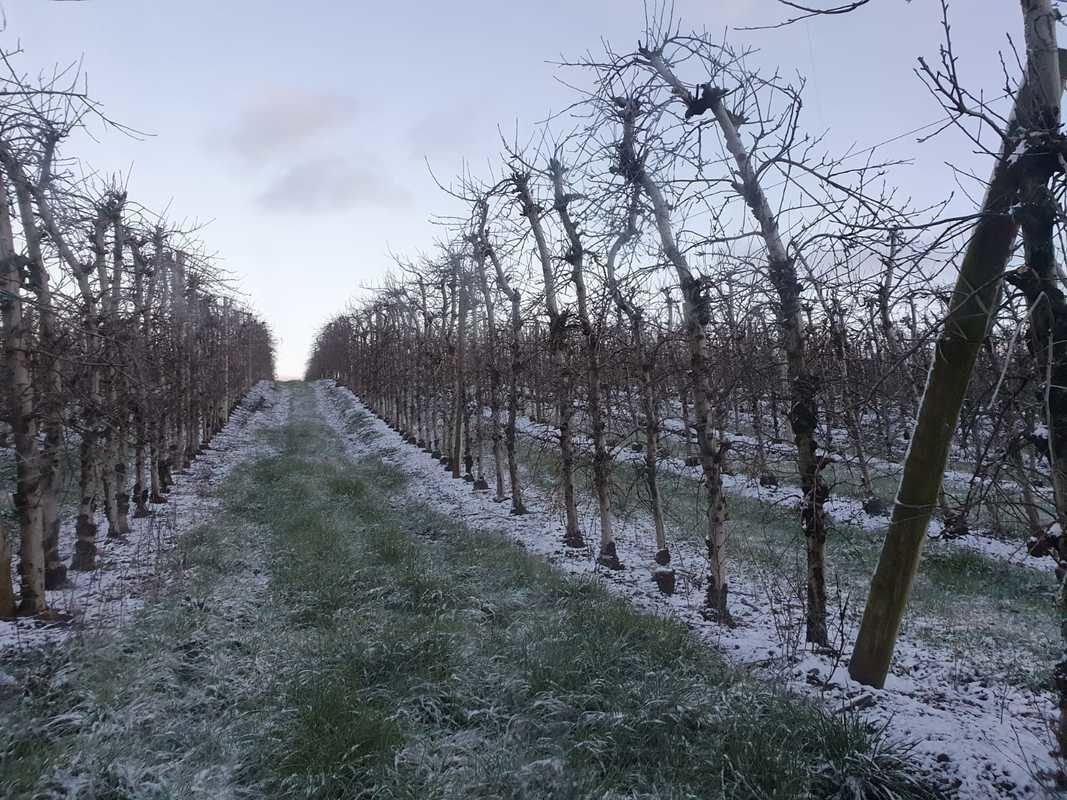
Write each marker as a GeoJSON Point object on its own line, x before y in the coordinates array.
{"type": "Point", "coordinates": [965, 728]}
{"type": "Point", "coordinates": [986, 738]}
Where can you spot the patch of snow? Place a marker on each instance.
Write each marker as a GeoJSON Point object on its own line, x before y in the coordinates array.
{"type": "Point", "coordinates": [842, 509]}
{"type": "Point", "coordinates": [1002, 550]}
{"type": "Point", "coordinates": [127, 569]}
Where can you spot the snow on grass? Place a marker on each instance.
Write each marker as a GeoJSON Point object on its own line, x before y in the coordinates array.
{"type": "Point", "coordinates": [985, 738]}
{"type": "Point", "coordinates": [166, 706]}
{"type": "Point", "coordinates": [127, 569]}
{"type": "Point", "coordinates": [390, 655]}
{"type": "Point", "coordinates": [504, 678]}
{"type": "Point", "coordinates": [842, 509]}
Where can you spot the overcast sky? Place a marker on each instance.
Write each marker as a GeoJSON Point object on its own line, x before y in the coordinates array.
{"type": "Point", "coordinates": [301, 131]}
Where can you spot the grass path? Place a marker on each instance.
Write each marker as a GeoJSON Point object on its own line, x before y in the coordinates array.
{"type": "Point", "coordinates": [322, 637]}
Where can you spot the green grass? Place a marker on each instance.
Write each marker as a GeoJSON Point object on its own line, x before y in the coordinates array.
{"type": "Point", "coordinates": [1000, 513]}
{"type": "Point", "coordinates": [395, 654]}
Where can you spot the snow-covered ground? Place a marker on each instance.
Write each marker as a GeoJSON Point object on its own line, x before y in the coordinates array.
{"type": "Point", "coordinates": [127, 570]}
{"type": "Point", "coordinates": [842, 509]}
{"type": "Point", "coordinates": [986, 738]}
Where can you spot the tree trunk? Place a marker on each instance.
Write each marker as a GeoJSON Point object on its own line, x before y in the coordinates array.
{"type": "Point", "coordinates": [514, 375]}
{"type": "Point", "coordinates": [492, 354]}
{"type": "Point", "coordinates": [55, 571]}
{"type": "Point", "coordinates": [967, 322]}
{"type": "Point", "coordinates": [459, 399]}
{"type": "Point", "coordinates": [23, 416]}
{"type": "Point", "coordinates": [803, 415]}
{"type": "Point", "coordinates": [695, 317]}
{"type": "Point", "coordinates": [575, 256]}
{"type": "Point", "coordinates": [558, 350]}
{"type": "Point", "coordinates": [645, 355]}
{"type": "Point", "coordinates": [7, 594]}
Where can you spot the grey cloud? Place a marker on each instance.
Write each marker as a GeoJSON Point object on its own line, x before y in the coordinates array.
{"type": "Point", "coordinates": [325, 184]}
{"type": "Point", "coordinates": [445, 132]}
{"type": "Point", "coordinates": [284, 118]}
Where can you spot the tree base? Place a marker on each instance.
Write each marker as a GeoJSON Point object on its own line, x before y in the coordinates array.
{"type": "Point", "coordinates": [874, 507]}
{"type": "Point", "coordinates": [715, 608]}
{"type": "Point", "coordinates": [609, 557]}
{"type": "Point", "coordinates": [665, 580]}
{"type": "Point", "coordinates": [955, 525]}
{"type": "Point", "coordinates": [816, 635]}
{"type": "Point", "coordinates": [768, 480]}
{"type": "Point", "coordinates": [573, 540]}
{"type": "Point", "coordinates": [84, 559]}
{"type": "Point", "coordinates": [36, 607]}
{"type": "Point", "coordinates": [55, 577]}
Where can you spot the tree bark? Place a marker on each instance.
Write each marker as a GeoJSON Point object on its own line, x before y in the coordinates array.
{"type": "Point", "coordinates": [514, 374]}
{"type": "Point", "coordinates": [966, 324]}
{"type": "Point", "coordinates": [645, 356]}
{"type": "Point", "coordinates": [575, 256]}
{"type": "Point", "coordinates": [23, 416]}
{"type": "Point", "coordinates": [695, 315]}
{"type": "Point", "coordinates": [558, 349]}
{"type": "Point", "coordinates": [460, 391]}
{"type": "Point", "coordinates": [492, 355]}
{"type": "Point", "coordinates": [7, 595]}
{"type": "Point", "coordinates": [803, 415]}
